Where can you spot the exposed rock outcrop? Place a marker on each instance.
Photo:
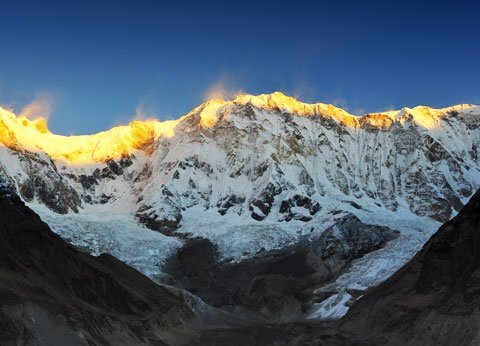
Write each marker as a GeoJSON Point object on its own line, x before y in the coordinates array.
{"type": "Point", "coordinates": [298, 207]}
{"type": "Point", "coordinates": [276, 284]}
{"type": "Point", "coordinates": [348, 239]}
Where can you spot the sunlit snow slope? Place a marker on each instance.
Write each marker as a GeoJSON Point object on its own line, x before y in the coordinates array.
{"type": "Point", "coordinates": [250, 174]}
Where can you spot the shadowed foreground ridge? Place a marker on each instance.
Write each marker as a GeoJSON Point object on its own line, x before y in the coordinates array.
{"type": "Point", "coordinates": [51, 293]}
{"type": "Point", "coordinates": [434, 298]}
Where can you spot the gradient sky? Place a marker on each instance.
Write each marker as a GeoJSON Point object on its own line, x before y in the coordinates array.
{"type": "Point", "coordinates": [99, 60]}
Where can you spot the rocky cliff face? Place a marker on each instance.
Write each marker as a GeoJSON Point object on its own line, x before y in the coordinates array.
{"type": "Point", "coordinates": [266, 156]}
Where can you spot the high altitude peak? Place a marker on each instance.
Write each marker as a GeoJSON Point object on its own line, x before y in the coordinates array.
{"type": "Point", "coordinates": [275, 99]}
{"type": "Point", "coordinates": [278, 101]}
{"type": "Point", "coordinates": [33, 135]}
{"type": "Point", "coordinates": [40, 125]}
{"type": "Point", "coordinates": [429, 117]}
{"type": "Point", "coordinates": [209, 112]}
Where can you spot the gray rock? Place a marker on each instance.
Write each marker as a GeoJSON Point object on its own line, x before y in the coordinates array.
{"type": "Point", "coordinates": [348, 239]}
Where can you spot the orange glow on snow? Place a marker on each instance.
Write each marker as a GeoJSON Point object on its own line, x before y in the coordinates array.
{"type": "Point", "coordinates": [21, 133]}
{"type": "Point", "coordinates": [33, 135]}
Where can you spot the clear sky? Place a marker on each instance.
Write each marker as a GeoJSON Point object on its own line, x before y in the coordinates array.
{"type": "Point", "coordinates": [97, 61]}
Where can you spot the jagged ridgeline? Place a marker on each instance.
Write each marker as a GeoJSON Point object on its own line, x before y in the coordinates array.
{"type": "Point", "coordinates": [262, 169]}
{"type": "Point", "coordinates": [267, 156]}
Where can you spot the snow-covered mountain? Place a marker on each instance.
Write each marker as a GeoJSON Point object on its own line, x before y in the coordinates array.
{"type": "Point", "coordinates": [251, 174]}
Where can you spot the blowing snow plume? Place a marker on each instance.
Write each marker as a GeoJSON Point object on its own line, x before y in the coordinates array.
{"type": "Point", "coordinates": [40, 107]}
{"type": "Point", "coordinates": [221, 90]}
{"type": "Point", "coordinates": [144, 113]}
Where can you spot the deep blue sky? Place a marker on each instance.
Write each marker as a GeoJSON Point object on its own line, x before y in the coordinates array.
{"type": "Point", "coordinates": [98, 60]}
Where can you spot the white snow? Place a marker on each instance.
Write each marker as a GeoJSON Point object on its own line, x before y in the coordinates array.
{"type": "Point", "coordinates": [100, 230]}
{"type": "Point", "coordinates": [333, 307]}
{"type": "Point", "coordinates": [238, 237]}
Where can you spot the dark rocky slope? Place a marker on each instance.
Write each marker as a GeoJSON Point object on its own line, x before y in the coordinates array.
{"type": "Point", "coordinates": [50, 293]}
{"type": "Point", "coordinates": [279, 284]}
{"type": "Point", "coordinates": [435, 298]}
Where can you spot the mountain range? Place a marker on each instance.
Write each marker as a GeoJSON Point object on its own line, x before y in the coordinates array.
{"type": "Point", "coordinates": [253, 185]}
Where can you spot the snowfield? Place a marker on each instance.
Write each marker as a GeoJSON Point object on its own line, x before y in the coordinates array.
{"type": "Point", "coordinates": [100, 231]}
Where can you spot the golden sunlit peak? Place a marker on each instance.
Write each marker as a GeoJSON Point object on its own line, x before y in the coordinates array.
{"type": "Point", "coordinates": [33, 135]}
{"type": "Point", "coordinates": [276, 101]}
{"type": "Point", "coordinates": [39, 124]}
{"type": "Point", "coordinates": [280, 101]}
{"type": "Point", "coordinates": [428, 117]}
{"type": "Point", "coordinates": [208, 112]}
